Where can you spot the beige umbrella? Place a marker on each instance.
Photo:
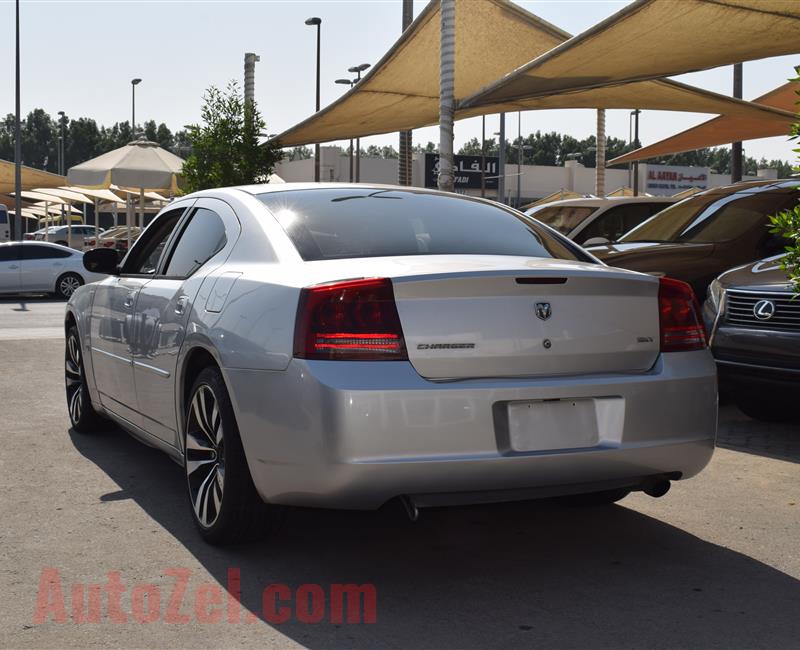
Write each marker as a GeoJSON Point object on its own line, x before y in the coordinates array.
{"type": "Point", "coordinates": [141, 165]}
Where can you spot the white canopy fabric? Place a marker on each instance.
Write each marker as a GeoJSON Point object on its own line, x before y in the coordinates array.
{"type": "Point", "coordinates": [493, 37]}
{"type": "Point", "coordinates": [30, 177]}
{"type": "Point", "coordinates": [39, 196]}
{"type": "Point", "coordinates": [649, 39]}
{"type": "Point", "coordinates": [140, 165]}
{"type": "Point", "coordinates": [56, 209]}
{"type": "Point", "coordinates": [724, 129]}
{"type": "Point", "coordinates": [68, 195]}
{"type": "Point", "coordinates": [102, 195]}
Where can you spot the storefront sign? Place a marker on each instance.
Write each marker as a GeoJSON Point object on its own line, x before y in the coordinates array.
{"type": "Point", "coordinates": [467, 171]}
{"type": "Point", "coordinates": [666, 180]}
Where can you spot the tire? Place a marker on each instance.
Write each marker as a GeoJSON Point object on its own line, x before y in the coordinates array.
{"type": "Point", "coordinates": [82, 416]}
{"type": "Point", "coordinates": [67, 284]}
{"type": "Point", "coordinates": [604, 498]}
{"type": "Point", "coordinates": [773, 407]}
{"type": "Point", "coordinates": [225, 505]}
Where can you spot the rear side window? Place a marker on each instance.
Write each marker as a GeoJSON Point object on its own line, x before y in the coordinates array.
{"type": "Point", "coordinates": [10, 253]}
{"type": "Point", "coordinates": [564, 218]}
{"type": "Point", "coordinates": [615, 222]}
{"type": "Point", "coordinates": [354, 222]}
{"type": "Point", "coordinates": [201, 239]}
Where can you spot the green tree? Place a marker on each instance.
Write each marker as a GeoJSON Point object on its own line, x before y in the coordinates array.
{"type": "Point", "coordinates": [787, 223]}
{"type": "Point", "coordinates": [82, 141]}
{"type": "Point", "coordinates": [225, 147]}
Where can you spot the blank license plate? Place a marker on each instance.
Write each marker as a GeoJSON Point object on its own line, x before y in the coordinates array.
{"type": "Point", "coordinates": [552, 424]}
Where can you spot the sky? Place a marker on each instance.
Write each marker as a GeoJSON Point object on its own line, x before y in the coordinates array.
{"type": "Point", "coordinates": [80, 55]}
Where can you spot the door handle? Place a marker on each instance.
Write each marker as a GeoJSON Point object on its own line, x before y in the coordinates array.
{"type": "Point", "coordinates": [13, 267]}
{"type": "Point", "coordinates": [180, 305]}
{"type": "Point", "coordinates": [129, 300]}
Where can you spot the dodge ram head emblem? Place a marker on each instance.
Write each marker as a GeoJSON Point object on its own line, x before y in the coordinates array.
{"type": "Point", "coordinates": [543, 311]}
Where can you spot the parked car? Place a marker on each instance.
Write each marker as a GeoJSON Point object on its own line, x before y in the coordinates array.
{"type": "Point", "coordinates": [344, 345]}
{"type": "Point", "coordinates": [702, 236]}
{"type": "Point", "coordinates": [116, 237]}
{"type": "Point", "coordinates": [5, 226]}
{"type": "Point", "coordinates": [41, 267]}
{"type": "Point", "coordinates": [31, 236]}
{"type": "Point", "coordinates": [598, 221]}
{"type": "Point", "coordinates": [754, 325]}
{"type": "Point", "coordinates": [60, 235]}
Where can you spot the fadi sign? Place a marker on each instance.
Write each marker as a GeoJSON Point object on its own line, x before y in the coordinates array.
{"type": "Point", "coordinates": [666, 180]}
{"type": "Point", "coordinates": [466, 169]}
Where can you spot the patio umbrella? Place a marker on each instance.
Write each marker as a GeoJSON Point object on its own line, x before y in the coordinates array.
{"type": "Point", "coordinates": [141, 165]}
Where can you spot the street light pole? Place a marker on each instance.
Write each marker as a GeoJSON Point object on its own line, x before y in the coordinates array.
{"type": "Point", "coordinates": [483, 156]}
{"type": "Point", "coordinates": [61, 162]}
{"type": "Point", "coordinates": [316, 21]}
{"type": "Point", "coordinates": [16, 223]}
{"type": "Point", "coordinates": [519, 158]}
{"type": "Point", "coordinates": [501, 181]}
{"type": "Point", "coordinates": [348, 82]}
{"type": "Point", "coordinates": [134, 83]}
{"type": "Point", "coordinates": [358, 69]}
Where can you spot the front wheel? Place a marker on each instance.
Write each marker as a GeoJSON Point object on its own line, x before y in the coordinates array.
{"type": "Point", "coordinates": [67, 284]}
{"type": "Point", "coordinates": [225, 505]}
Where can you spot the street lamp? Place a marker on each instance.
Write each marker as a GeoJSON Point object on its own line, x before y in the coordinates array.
{"type": "Point", "coordinates": [134, 83]}
{"type": "Point", "coordinates": [349, 82]}
{"type": "Point", "coordinates": [61, 161]}
{"type": "Point", "coordinates": [315, 21]}
{"type": "Point", "coordinates": [357, 70]}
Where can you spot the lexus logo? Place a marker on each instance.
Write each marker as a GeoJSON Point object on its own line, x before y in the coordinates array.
{"type": "Point", "coordinates": [543, 311]}
{"type": "Point", "coordinates": [764, 309]}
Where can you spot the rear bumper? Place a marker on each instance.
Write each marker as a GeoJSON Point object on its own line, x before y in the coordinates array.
{"type": "Point", "coordinates": [356, 434]}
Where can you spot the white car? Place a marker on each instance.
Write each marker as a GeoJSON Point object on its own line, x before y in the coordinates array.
{"type": "Point", "coordinates": [343, 345]}
{"type": "Point", "coordinates": [589, 222]}
{"type": "Point", "coordinates": [60, 235]}
{"type": "Point", "coordinates": [40, 267]}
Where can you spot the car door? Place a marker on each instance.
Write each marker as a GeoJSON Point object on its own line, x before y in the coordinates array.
{"type": "Point", "coordinates": [41, 265]}
{"type": "Point", "coordinates": [203, 242]}
{"type": "Point", "coordinates": [10, 264]}
{"type": "Point", "coordinates": [113, 325]}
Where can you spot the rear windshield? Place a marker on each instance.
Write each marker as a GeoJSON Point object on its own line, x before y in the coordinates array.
{"type": "Point", "coordinates": [563, 218]}
{"type": "Point", "coordinates": [354, 222]}
{"type": "Point", "coordinates": [711, 218]}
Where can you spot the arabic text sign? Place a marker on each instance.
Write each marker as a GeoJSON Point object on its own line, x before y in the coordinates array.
{"type": "Point", "coordinates": [467, 171]}
{"type": "Point", "coordinates": [666, 180]}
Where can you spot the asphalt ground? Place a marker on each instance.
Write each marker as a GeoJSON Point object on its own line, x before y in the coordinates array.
{"type": "Point", "coordinates": [713, 564]}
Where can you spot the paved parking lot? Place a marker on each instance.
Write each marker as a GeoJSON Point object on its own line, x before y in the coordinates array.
{"type": "Point", "coordinates": [714, 564]}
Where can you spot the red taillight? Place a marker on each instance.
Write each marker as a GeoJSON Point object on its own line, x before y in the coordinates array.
{"type": "Point", "coordinates": [679, 316]}
{"type": "Point", "coordinates": [352, 320]}
{"type": "Point", "coordinates": [109, 243]}
{"type": "Point", "coordinates": [91, 242]}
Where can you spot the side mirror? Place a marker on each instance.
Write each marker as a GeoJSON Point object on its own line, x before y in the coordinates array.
{"type": "Point", "coordinates": [596, 241]}
{"type": "Point", "coordinates": [102, 260]}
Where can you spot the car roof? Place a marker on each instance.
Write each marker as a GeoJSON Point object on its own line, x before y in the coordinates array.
{"type": "Point", "coordinates": [37, 243]}
{"type": "Point", "coordinates": [597, 201]}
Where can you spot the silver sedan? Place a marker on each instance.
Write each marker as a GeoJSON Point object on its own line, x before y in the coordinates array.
{"type": "Point", "coordinates": [347, 345]}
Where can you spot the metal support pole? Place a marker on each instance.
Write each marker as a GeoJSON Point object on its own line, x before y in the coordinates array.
{"type": "Point", "coordinates": [636, 145]}
{"type": "Point", "coordinates": [600, 157]}
{"type": "Point", "coordinates": [15, 229]}
{"type": "Point", "coordinates": [447, 68]}
{"type": "Point", "coordinates": [483, 156]}
{"type": "Point", "coordinates": [501, 180]}
{"type": "Point", "coordinates": [317, 161]}
{"type": "Point", "coordinates": [350, 178]}
{"type": "Point", "coordinates": [404, 162]}
{"type": "Point", "coordinates": [141, 208]}
{"type": "Point", "coordinates": [519, 158]}
{"type": "Point", "coordinates": [250, 60]}
{"type": "Point", "coordinates": [736, 147]}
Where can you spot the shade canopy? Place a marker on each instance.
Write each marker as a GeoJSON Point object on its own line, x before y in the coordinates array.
{"type": "Point", "coordinates": [723, 129]}
{"type": "Point", "coordinates": [30, 178]}
{"type": "Point", "coordinates": [36, 195]}
{"type": "Point", "coordinates": [71, 196]}
{"type": "Point", "coordinates": [402, 90]}
{"type": "Point", "coordinates": [139, 165]}
{"type": "Point", "coordinates": [102, 195]}
{"type": "Point", "coordinates": [649, 39]}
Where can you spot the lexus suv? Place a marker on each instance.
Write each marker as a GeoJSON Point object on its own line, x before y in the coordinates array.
{"type": "Point", "coordinates": [754, 325]}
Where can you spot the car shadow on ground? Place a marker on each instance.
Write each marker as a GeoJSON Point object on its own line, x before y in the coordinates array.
{"type": "Point", "coordinates": [517, 574]}
{"type": "Point", "coordinates": [780, 440]}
